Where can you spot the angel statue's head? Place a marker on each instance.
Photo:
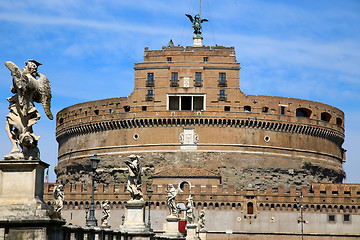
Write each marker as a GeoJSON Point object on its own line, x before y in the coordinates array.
{"type": "Point", "coordinates": [31, 67]}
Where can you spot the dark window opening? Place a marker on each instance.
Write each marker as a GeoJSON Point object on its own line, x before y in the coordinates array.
{"type": "Point", "coordinates": [198, 103]}
{"type": "Point", "coordinates": [192, 103]}
{"type": "Point", "coordinates": [282, 110]}
{"type": "Point", "coordinates": [174, 79]}
{"type": "Point", "coordinates": [150, 95]}
{"type": "Point", "coordinates": [198, 81]}
{"type": "Point", "coordinates": [303, 112]}
{"type": "Point", "coordinates": [325, 116]}
{"type": "Point", "coordinates": [127, 108]}
{"type": "Point", "coordinates": [346, 217]}
{"type": "Point", "coordinates": [184, 184]}
{"type": "Point", "coordinates": [339, 121]}
{"type": "Point", "coordinates": [150, 80]}
{"type": "Point", "coordinates": [250, 208]}
{"type": "Point", "coordinates": [247, 108]}
{"type": "Point", "coordinates": [169, 59]}
{"type": "Point", "coordinates": [222, 95]}
{"type": "Point", "coordinates": [96, 112]}
{"type": "Point", "coordinates": [265, 109]}
{"type": "Point", "coordinates": [222, 79]}
{"type": "Point", "coordinates": [143, 108]}
{"type": "Point", "coordinates": [227, 108]}
{"type": "Point", "coordinates": [335, 192]}
{"type": "Point", "coordinates": [173, 103]}
{"type": "Point", "coordinates": [206, 59]}
{"type": "Point", "coordinates": [185, 103]}
{"type": "Point", "coordinates": [331, 218]}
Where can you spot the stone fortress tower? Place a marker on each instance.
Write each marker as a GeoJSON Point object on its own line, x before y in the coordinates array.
{"type": "Point", "coordinates": [187, 111]}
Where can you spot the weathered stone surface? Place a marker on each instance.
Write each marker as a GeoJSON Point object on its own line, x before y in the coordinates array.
{"type": "Point", "coordinates": [235, 168]}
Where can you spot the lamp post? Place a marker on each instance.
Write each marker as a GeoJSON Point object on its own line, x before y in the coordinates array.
{"type": "Point", "coordinates": [301, 220]}
{"type": "Point", "coordinates": [149, 194]}
{"type": "Point", "coordinates": [92, 221]}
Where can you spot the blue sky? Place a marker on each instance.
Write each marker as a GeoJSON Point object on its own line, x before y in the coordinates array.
{"type": "Point", "coordinates": [302, 49]}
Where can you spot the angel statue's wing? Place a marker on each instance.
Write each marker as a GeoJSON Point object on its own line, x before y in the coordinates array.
{"type": "Point", "coordinates": [190, 17]}
{"type": "Point", "coordinates": [204, 20]}
{"type": "Point", "coordinates": [44, 94]}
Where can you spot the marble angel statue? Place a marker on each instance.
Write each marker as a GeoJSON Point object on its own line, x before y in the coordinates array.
{"type": "Point", "coordinates": [28, 86]}
{"type": "Point", "coordinates": [134, 180]}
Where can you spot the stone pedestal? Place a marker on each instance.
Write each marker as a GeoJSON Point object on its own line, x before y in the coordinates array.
{"type": "Point", "coordinates": [134, 225]}
{"type": "Point", "coordinates": [191, 232]}
{"type": "Point", "coordinates": [23, 213]}
{"type": "Point", "coordinates": [202, 235]}
{"type": "Point", "coordinates": [197, 41]}
{"type": "Point", "coordinates": [171, 228]}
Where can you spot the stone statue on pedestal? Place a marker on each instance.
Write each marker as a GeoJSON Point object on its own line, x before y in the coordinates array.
{"type": "Point", "coordinates": [201, 221]}
{"type": "Point", "coordinates": [28, 87]}
{"type": "Point", "coordinates": [196, 23]}
{"type": "Point", "coordinates": [134, 180]}
{"type": "Point", "coordinates": [59, 198]}
{"type": "Point", "coordinates": [190, 216]}
{"type": "Point", "coordinates": [106, 213]}
{"type": "Point", "coordinates": [170, 200]}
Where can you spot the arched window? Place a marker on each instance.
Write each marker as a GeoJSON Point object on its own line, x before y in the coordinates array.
{"type": "Point", "coordinates": [325, 116]}
{"type": "Point", "coordinates": [250, 208]}
{"type": "Point", "coordinates": [339, 121]}
{"type": "Point", "coordinates": [303, 112]}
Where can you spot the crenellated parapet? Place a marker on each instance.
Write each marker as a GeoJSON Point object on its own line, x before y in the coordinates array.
{"type": "Point", "coordinates": [338, 198]}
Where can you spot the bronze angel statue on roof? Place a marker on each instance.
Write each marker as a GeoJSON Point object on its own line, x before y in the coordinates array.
{"type": "Point", "coordinates": [196, 23]}
{"type": "Point", "coordinates": [28, 86]}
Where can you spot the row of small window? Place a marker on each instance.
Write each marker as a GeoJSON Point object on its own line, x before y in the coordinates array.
{"type": "Point", "coordinates": [332, 218]}
{"type": "Point", "coordinates": [175, 79]}
{"type": "Point", "coordinates": [169, 59]}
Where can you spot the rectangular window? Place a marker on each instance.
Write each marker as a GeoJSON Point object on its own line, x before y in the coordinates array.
{"type": "Point", "coordinates": [169, 59]}
{"type": "Point", "coordinates": [150, 95]}
{"type": "Point", "coordinates": [143, 108]}
{"type": "Point", "coordinates": [282, 110]}
{"type": "Point", "coordinates": [346, 217]}
{"type": "Point", "coordinates": [265, 109]}
{"type": "Point", "coordinates": [174, 76]}
{"type": "Point", "coordinates": [198, 103]}
{"type": "Point", "coordinates": [247, 108]}
{"type": "Point", "coordinates": [222, 77]}
{"type": "Point", "coordinates": [150, 80]}
{"type": "Point", "coordinates": [222, 92]}
{"type": "Point", "coordinates": [331, 218]}
{"type": "Point", "coordinates": [150, 77]}
{"type": "Point", "coordinates": [174, 103]}
{"type": "Point", "coordinates": [222, 80]}
{"type": "Point", "coordinates": [206, 59]}
{"type": "Point", "coordinates": [198, 77]}
{"type": "Point", "coordinates": [186, 103]}
{"type": "Point", "coordinates": [227, 108]}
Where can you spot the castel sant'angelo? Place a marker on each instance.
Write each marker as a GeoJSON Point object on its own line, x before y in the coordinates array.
{"type": "Point", "coordinates": [250, 161]}
{"type": "Point", "coordinates": [188, 111]}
